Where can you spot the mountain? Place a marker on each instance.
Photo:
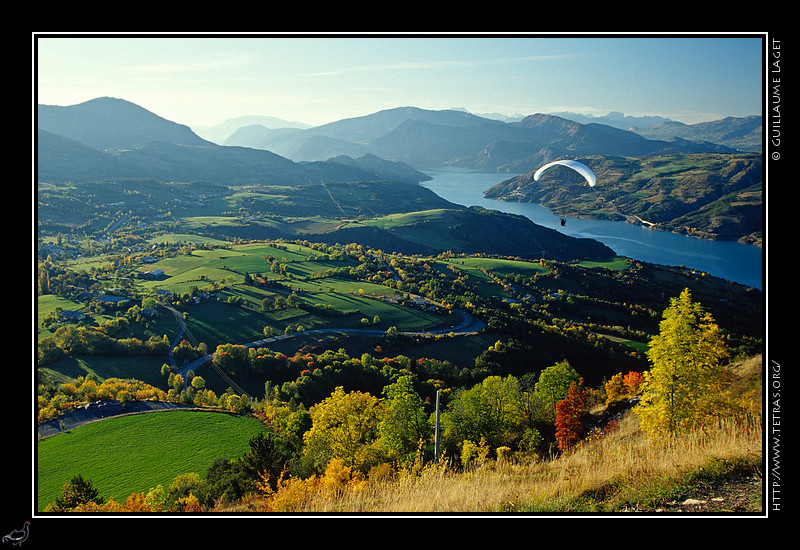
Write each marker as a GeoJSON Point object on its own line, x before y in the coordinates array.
{"type": "Point", "coordinates": [717, 196]}
{"type": "Point", "coordinates": [466, 230]}
{"type": "Point", "coordinates": [115, 153]}
{"type": "Point", "coordinates": [616, 119]}
{"type": "Point", "coordinates": [109, 138]}
{"type": "Point", "coordinates": [740, 133]}
{"type": "Point", "coordinates": [434, 139]}
{"type": "Point", "coordinates": [107, 123]}
{"type": "Point", "coordinates": [223, 131]}
{"type": "Point", "coordinates": [743, 133]}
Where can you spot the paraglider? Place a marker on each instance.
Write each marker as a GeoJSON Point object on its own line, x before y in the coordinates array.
{"type": "Point", "coordinates": [579, 167]}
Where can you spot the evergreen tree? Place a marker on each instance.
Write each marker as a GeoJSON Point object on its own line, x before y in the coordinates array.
{"type": "Point", "coordinates": [78, 491]}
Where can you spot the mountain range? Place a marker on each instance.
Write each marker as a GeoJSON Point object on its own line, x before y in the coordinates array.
{"type": "Point", "coordinates": [109, 140]}
{"type": "Point", "coordinates": [112, 139]}
{"type": "Point", "coordinates": [428, 139]}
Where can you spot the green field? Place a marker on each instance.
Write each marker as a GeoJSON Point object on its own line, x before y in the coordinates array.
{"type": "Point", "coordinates": [146, 368]}
{"type": "Point", "coordinates": [129, 454]}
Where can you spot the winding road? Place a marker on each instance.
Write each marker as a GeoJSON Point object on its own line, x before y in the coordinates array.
{"type": "Point", "coordinates": [100, 410]}
{"type": "Point", "coordinates": [469, 325]}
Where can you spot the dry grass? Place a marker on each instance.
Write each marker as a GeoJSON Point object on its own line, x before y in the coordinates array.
{"type": "Point", "coordinates": [622, 470]}
{"type": "Point", "coordinates": [616, 472]}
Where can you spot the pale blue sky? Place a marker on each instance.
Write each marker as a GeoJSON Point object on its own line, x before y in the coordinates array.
{"type": "Point", "coordinates": [204, 81]}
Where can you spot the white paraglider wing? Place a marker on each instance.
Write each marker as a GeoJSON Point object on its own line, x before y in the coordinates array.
{"type": "Point", "coordinates": [579, 167]}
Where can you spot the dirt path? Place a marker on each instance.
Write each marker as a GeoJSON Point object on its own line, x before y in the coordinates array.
{"type": "Point", "coordinates": [734, 495]}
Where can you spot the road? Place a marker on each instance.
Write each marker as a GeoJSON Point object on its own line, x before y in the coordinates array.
{"type": "Point", "coordinates": [469, 325]}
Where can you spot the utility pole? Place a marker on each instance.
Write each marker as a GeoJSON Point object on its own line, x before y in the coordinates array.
{"type": "Point", "coordinates": [436, 435]}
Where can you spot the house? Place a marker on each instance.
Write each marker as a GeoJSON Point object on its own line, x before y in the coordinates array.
{"type": "Point", "coordinates": [71, 316]}
{"type": "Point", "coordinates": [155, 274]}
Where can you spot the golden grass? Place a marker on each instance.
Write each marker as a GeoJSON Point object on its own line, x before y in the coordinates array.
{"type": "Point", "coordinates": [613, 473]}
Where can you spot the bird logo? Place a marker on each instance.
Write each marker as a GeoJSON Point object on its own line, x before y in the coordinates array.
{"type": "Point", "coordinates": [18, 536]}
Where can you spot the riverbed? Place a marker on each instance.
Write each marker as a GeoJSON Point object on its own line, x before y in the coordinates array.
{"type": "Point", "coordinates": [737, 262]}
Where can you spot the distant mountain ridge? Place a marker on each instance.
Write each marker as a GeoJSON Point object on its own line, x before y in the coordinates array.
{"type": "Point", "coordinates": [113, 138]}
{"type": "Point", "coordinates": [741, 133]}
{"type": "Point", "coordinates": [434, 139]}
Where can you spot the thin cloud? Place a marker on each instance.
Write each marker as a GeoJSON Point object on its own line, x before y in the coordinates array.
{"type": "Point", "coordinates": [215, 63]}
{"type": "Point", "coordinates": [439, 65]}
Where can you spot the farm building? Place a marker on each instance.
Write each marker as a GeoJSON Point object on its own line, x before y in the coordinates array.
{"type": "Point", "coordinates": [155, 274]}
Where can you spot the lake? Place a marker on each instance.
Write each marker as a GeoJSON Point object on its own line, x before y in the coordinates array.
{"type": "Point", "coordinates": [734, 261]}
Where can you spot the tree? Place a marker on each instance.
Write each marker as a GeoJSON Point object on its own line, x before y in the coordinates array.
{"type": "Point", "coordinates": [687, 358]}
{"type": "Point", "coordinates": [344, 425]}
{"type": "Point", "coordinates": [568, 416]}
{"type": "Point", "coordinates": [405, 423]}
{"type": "Point", "coordinates": [615, 388]}
{"type": "Point", "coordinates": [491, 410]}
{"type": "Point", "coordinates": [268, 455]}
{"type": "Point", "coordinates": [78, 491]}
{"type": "Point", "coordinates": [554, 382]}
{"type": "Point", "coordinates": [632, 381]}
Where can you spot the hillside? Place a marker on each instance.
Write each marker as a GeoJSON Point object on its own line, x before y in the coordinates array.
{"type": "Point", "coordinates": [716, 196]}
{"type": "Point", "coordinates": [743, 133]}
{"type": "Point", "coordinates": [469, 231]}
{"type": "Point", "coordinates": [107, 123]}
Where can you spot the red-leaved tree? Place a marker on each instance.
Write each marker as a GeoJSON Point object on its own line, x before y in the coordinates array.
{"type": "Point", "coordinates": [568, 416]}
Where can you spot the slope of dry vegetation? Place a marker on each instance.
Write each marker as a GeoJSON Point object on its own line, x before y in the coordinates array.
{"type": "Point", "coordinates": [617, 469]}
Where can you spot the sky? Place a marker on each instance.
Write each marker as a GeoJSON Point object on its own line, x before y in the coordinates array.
{"type": "Point", "coordinates": [203, 81]}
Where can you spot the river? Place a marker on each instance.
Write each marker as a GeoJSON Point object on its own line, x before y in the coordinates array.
{"type": "Point", "coordinates": [741, 263]}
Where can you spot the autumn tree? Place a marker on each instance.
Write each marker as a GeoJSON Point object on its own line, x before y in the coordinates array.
{"type": "Point", "coordinates": [569, 411]}
{"type": "Point", "coordinates": [619, 386]}
{"type": "Point", "coordinates": [632, 382]}
{"type": "Point", "coordinates": [687, 357]}
{"type": "Point", "coordinates": [615, 388]}
{"type": "Point", "coordinates": [344, 425]}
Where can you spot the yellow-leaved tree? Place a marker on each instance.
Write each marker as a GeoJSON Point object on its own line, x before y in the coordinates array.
{"type": "Point", "coordinates": [688, 357]}
{"type": "Point", "coordinates": [345, 426]}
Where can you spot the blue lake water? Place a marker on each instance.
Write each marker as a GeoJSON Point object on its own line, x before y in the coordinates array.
{"type": "Point", "coordinates": [734, 261]}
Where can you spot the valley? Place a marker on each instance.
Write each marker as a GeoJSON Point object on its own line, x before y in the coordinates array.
{"type": "Point", "coordinates": [231, 278]}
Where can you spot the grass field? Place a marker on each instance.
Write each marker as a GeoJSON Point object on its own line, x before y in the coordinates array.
{"type": "Point", "coordinates": [146, 368]}
{"type": "Point", "coordinates": [129, 454]}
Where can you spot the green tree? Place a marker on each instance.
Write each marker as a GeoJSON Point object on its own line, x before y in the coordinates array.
{"type": "Point", "coordinates": [554, 383]}
{"type": "Point", "coordinates": [268, 455]}
{"type": "Point", "coordinates": [405, 423]}
{"type": "Point", "coordinates": [687, 357]}
{"type": "Point", "coordinates": [78, 491]}
{"type": "Point", "coordinates": [491, 410]}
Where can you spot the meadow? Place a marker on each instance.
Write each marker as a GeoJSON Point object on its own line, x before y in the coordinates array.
{"type": "Point", "coordinates": [128, 454]}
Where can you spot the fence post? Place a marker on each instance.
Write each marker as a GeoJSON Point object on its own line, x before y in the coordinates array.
{"type": "Point", "coordinates": [436, 436]}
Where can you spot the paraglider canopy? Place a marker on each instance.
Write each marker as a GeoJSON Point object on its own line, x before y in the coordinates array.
{"type": "Point", "coordinates": [579, 167]}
